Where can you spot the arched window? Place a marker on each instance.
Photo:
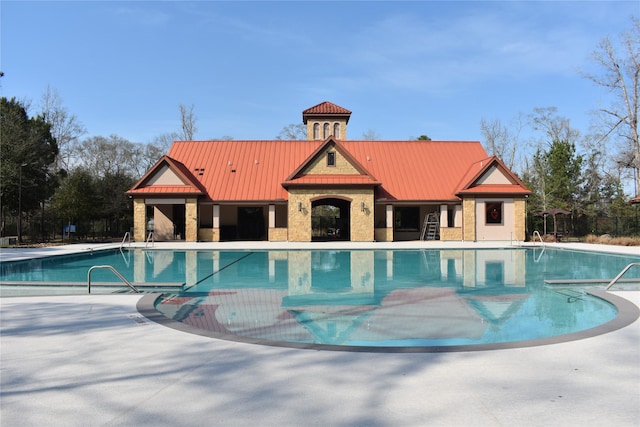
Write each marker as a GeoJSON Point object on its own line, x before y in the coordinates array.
{"type": "Point", "coordinates": [325, 130]}
{"type": "Point", "coordinates": [316, 131]}
{"type": "Point", "coordinates": [336, 130]}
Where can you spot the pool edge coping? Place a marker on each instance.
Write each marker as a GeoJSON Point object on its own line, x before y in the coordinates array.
{"type": "Point", "coordinates": [628, 313]}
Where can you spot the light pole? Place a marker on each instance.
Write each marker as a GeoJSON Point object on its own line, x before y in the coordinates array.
{"type": "Point", "coordinates": [20, 203]}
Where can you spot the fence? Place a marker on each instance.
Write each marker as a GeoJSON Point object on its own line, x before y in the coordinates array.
{"type": "Point", "coordinates": [583, 225]}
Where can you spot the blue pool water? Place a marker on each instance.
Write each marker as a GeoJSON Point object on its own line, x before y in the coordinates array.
{"type": "Point", "coordinates": [387, 298]}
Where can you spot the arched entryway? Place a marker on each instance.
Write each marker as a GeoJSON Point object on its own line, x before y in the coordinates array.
{"type": "Point", "coordinates": [330, 219]}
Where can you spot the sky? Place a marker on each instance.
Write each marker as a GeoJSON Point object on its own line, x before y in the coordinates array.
{"type": "Point", "coordinates": [250, 68]}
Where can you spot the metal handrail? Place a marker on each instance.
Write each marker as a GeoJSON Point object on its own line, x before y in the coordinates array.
{"type": "Point", "coordinates": [536, 233]}
{"type": "Point", "coordinates": [108, 267]}
{"type": "Point", "coordinates": [624, 270]}
{"type": "Point", "coordinates": [150, 237]}
{"type": "Point", "coordinates": [127, 238]}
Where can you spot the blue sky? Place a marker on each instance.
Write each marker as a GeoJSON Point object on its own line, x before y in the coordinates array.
{"type": "Point", "coordinates": [250, 68]}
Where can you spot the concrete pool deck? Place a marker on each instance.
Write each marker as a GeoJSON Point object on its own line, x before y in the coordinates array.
{"type": "Point", "coordinates": [85, 360]}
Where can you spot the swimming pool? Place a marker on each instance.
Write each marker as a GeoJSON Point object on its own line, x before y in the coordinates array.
{"type": "Point", "coordinates": [439, 299]}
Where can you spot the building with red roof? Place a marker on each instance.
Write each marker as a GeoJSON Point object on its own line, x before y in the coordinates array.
{"type": "Point", "coordinates": [374, 190]}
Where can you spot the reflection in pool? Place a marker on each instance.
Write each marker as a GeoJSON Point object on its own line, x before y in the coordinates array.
{"type": "Point", "coordinates": [366, 298]}
{"type": "Point", "coordinates": [389, 298]}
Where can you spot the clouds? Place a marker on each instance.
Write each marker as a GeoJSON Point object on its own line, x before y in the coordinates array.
{"type": "Point", "coordinates": [133, 13]}
{"type": "Point", "coordinates": [432, 64]}
{"type": "Point", "coordinates": [426, 49]}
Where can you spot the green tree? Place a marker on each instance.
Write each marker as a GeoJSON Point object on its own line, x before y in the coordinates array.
{"type": "Point", "coordinates": [27, 151]}
{"type": "Point", "coordinates": [564, 174]}
{"type": "Point", "coordinates": [75, 201]}
{"type": "Point", "coordinates": [554, 176]}
{"type": "Point", "coordinates": [114, 207]}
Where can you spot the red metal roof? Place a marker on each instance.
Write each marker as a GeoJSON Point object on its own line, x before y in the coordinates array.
{"type": "Point", "coordinates": [404, 170]}
{"type": "Point", "coordinates": [190, 184]}
{"type": "Point", "coordinates": [470, 185]}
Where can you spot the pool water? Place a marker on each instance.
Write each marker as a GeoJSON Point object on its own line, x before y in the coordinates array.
{"type": "Point", "coordinates": [372, 298]}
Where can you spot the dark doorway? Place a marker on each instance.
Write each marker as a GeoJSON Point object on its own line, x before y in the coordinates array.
{"type": "Point", "coordinates": [179, 222]}
{"type": "Point", "coordinates": [330, 219]}
{"type": "Point", "coordinates": [251, 223]}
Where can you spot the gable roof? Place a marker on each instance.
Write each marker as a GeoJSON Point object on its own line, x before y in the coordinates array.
{"type": "Point", "coordinates": [409, 171]}
{"type": "Point", "coordinates": [472, 183]}
{"type": "Point", "coordinates": [325, 109]}
{"type": "Point", "coordinates": [299, 177]}
{"type": "Point", "coordinates": [188, 185]}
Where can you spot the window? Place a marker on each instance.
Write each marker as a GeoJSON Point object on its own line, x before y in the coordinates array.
{"type": "Point", "coordinates": [336, 130]}
{"type": "Point", "coordinates": [325, 131]}
{"type": "Point", "coordinates": [407, 218]}
{"type": "Point", "coordinates": [494, 213]}
{"type": "Point", "coordinates": [316, 131]}
{"type": "Point", "coordinates": [331, 158]}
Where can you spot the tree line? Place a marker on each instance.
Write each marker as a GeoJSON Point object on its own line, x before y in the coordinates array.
{"type": "Point", "coordinates": [591, 175]}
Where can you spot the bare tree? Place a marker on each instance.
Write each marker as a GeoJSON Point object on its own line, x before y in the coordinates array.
{"type": "Point", "coordinates": [555, 128]}
{"type": "Point", "coordinates": [293, 132]}
{"type": "Point", "coordinates": [65, 127]}
{"type": "Point", "coordinates": [188, 122]}
{"type": "Point", "coordinates": [500, 141]}
{"type": "Point", "coordinates": [163, 141]}
{"type": "Point", "coordinates": [620, 76]}
{"type": "Point", "coordinates": [370, 135]}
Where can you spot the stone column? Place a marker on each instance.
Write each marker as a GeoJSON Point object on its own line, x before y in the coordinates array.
{"type": "Point", "coordinates": [191, 220]}
{"type": "Point", "coordinates": [139, 220]}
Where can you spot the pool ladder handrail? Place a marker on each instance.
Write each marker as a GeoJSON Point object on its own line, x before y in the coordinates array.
{"type": "Point", "coordinates": [150, 238]}
{"type": "Point", "coordinates": [624, 270]}
{"type": "Point", "coordinates": [108, 267]}
{"type": "Point", "coordinates": [126, 238]}
{"type": "Point", "coordinates": [537, 233]}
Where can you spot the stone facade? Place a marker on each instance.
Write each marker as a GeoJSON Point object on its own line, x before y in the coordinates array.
{"type": "Point", "coordinates": [384, 234]}
{"type": "Point", "coordinates": [191, 220]}
{"type": "Point", "coordinates": [332, 124]}
{"type": "Point", "coordinates": [360, 212]}
{"type": "Point", "coordinates": [520, 219]}
{"type": "Point", "coordinates": [209, 235]}
{"type": "Point", "coordinates": [139, 220]}
{"type": "Point", "coordinates": [277, 234]}
{"type": "Point", "coordinates": [319, 166]}
{"type": "Point", "coordinates": [469, 219]}
{"type": "Point", "coordinates": [450, 233]}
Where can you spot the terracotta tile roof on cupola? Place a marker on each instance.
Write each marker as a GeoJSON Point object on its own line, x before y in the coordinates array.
{"type": "Point", "coordinates": [325, 109]}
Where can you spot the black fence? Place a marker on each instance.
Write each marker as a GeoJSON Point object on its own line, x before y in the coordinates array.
{"type": "Point", "coordinates": [583, 225]}
{"type": "Point", "coordinates": [43, 230]}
